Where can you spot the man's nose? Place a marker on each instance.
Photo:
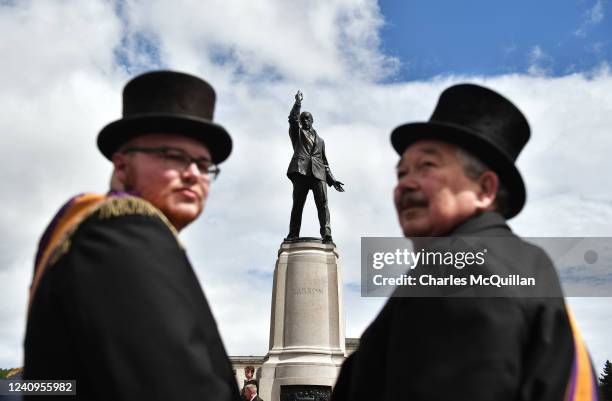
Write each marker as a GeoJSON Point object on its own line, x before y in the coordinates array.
{"type": "Point", "coordinates": [192, 172]}
{"type": "Point", "coordinates": [408, 181]}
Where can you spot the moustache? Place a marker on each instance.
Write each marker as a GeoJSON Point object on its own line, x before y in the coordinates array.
{"type": "Point", "coordinates": [411, 199]}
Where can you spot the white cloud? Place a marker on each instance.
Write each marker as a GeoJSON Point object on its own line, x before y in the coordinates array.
{"type": "Point", "coordinates": [61, 84]}
{"type": "Point", "coordinates": [316, 41]}
{"type": "Point", "coordinates": [596, 13]}
{"type": "Point", "coordinates": [592, 17]}
{"type": "Point", "coordinates": [538, 62]}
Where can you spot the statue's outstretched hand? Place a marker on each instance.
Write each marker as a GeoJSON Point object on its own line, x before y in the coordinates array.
{"type": "Point", "coordinates": [338, 185]}
{"type": "Point", "coordinates": [299, 96]}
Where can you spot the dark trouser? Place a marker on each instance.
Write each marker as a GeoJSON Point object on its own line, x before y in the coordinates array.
{"type": "Point", "coordinates": [301, 185]}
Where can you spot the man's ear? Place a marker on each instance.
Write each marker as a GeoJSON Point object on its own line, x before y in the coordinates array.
{"type": "Point", "coordinates": [488, 184]}
{"type": "Point", "coordinates": [118, 179]}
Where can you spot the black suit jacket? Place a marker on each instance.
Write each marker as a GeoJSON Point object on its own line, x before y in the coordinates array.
{"type": "Point", "coordinates": [303, 162]}
{"type": "Point", "coordinates": [518, 348]}
{"type": "Point", "coordinates": [122, 312]}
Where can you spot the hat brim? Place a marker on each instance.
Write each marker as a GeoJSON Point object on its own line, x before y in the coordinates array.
{"type": "Point", "coordinates": [214, 136]}
{"type": "Point", "coordinates": [405, 135]}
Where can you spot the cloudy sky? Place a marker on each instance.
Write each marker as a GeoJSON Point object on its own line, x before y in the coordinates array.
{"type": "Point", "coordinates": [364, 68]}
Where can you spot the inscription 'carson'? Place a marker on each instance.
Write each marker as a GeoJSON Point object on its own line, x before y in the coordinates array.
{"type": "Point", "coordinates": [308, 291]}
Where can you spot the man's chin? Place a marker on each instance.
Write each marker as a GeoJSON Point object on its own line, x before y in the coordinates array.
{"type": "Point", "coordinates": [415, 228]}
{"type": "Point", "coordinates": [182, 215]}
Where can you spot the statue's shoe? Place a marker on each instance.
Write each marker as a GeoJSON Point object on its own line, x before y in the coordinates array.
{"type": "Point", "coordinates": [328, 240]}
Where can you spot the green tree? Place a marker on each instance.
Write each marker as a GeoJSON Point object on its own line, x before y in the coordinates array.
{"type": "Point", "coordinates": [605, 381]}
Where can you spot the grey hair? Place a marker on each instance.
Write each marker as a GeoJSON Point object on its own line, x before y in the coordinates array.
{"type": "Point", "coordinates": [251, 387]}
{"type": "Point", "coordinates": [474, 168]}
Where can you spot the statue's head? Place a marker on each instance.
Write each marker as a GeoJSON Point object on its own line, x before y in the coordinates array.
{"type": "Point", "coordinates": [306, 120]}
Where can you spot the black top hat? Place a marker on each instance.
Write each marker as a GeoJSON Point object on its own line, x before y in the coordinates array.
{"type": "Point", "coordinates": [483, 122]}
{"type": "Point", "coordinates": [167, 102]}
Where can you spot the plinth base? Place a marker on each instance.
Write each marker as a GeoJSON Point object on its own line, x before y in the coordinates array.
{"type": "Point", "coordinates": [307, 344]}
{"type": "Point", "coordinates": [299, 393]}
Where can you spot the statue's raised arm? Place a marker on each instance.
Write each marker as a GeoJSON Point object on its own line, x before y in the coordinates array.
{"type": "Point", "coordinates": [294, 118]}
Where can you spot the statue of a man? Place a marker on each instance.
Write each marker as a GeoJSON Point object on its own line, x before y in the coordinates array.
{"type": "Point", "coordinates": [308, 170]}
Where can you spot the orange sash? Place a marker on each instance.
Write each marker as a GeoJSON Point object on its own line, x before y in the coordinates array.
{"type": "Point", "coordinates": [582, 385]}
{"type": "Point", "coordinates": [56, 237]}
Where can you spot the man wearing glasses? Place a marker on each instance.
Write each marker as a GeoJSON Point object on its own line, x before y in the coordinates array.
{"type": "Point", "coordinates": [163, 171]}
{"type": "Point", "coordinates": [114, 302]}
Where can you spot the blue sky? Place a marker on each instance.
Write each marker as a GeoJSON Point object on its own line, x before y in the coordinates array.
{"type": "Point", "coordinates": [480, 37]}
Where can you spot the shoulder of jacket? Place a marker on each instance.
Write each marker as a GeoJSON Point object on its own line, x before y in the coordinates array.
{"type": "Point", "coordinates": [127, 205]}
{"type": "Point", "coordinates": [111, 208]}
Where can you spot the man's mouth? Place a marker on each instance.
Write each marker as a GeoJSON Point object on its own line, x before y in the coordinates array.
{"type": "Point", "coordinates": [412, 200]}
{"type": "Point", "coordinates": [188, 193]}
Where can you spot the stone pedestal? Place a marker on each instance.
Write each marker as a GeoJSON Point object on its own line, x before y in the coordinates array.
{"type": "Point", "coordinates": [307, 344]}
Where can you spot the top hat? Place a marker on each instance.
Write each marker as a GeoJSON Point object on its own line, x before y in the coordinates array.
{"type": "Point", "coordinates": [167, 102]}
{"type": "Point", "coordinates": [484, 123]}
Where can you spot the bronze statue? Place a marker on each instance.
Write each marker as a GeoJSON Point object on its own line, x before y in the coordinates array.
{"type": "Point", "coordinates": [308, 170]}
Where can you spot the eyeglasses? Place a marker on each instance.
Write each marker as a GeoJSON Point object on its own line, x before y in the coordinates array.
{"type": "Point", "coordinates": [179, 160]}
